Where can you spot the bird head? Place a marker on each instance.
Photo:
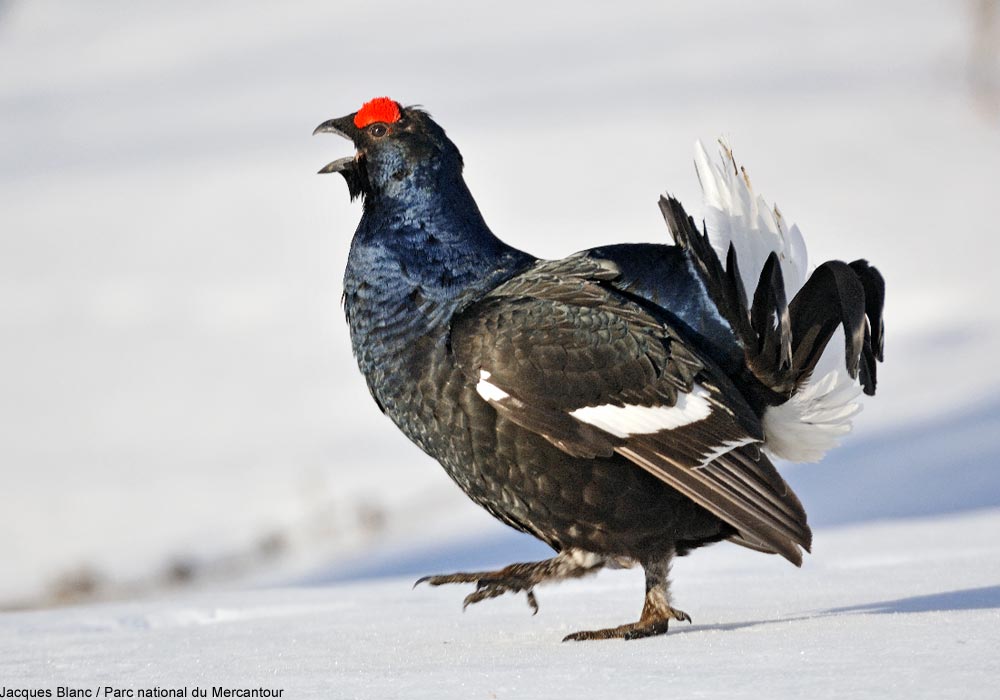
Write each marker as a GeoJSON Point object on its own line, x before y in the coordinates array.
{"type": "Point", "coordinates": [395, 146]}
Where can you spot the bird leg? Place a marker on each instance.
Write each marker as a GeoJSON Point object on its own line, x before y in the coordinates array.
{"type": "Point", "coordinates": [569, 563]}
{"type": "Point", "coordinates": [656, 611]}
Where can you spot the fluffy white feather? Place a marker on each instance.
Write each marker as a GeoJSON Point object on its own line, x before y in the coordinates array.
{"type": "Point", "coordinates": [819, 414]}
{"type": "Point", "coordinates": [735, 214]}
{"type": "Point", "coordinates": [804, 428]}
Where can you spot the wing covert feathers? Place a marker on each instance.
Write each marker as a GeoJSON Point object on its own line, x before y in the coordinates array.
{"type": "Point", "coordinates": [558, 351]}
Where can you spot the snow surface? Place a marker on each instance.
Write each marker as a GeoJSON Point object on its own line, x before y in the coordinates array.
{"type": "Point", "coordinates": [180, 415]}
{"type": "Point", "coordinates": [906, 609]}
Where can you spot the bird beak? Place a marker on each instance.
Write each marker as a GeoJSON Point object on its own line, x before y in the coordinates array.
{"type": "Point", "coordinates": [337, 166]}
{"type": "Point", "coordinates": [352, 167]}
{"type": "Point", "coordinates": [344, 126]}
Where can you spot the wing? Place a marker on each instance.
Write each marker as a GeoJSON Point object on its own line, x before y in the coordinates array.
{"type": "Point", "coordinates": [559, 352]}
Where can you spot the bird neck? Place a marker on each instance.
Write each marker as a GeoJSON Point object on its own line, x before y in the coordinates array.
{"type": "Point", "coordinates": [427, 232]}
{"type": "Point", "coordinates": [417, 257]}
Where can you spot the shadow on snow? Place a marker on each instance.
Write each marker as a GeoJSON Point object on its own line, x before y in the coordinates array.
{"type": "Point", "coordinates": [983, 598]}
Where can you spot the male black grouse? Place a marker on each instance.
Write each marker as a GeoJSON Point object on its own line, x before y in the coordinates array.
{"type": "Point", "coordinates": [619, 404]}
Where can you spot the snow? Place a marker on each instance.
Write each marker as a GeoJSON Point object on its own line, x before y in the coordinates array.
{"type": "Point", "coordinates": [898, 609]}
{"type": "Point", "coordinates": [182, 424]}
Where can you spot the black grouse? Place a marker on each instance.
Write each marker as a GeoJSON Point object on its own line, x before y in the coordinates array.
{"type": "Point", "coordinates": [619, 404]}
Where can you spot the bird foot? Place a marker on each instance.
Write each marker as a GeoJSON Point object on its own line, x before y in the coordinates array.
{"type": "Point", "coordinates": [645, 627]}
{"type": "Point", "coordinates": [521, 578]}
{"type": "Point", "coordinates": [493, 588]}
{"type": "Point", "coordinates": [489, 584]}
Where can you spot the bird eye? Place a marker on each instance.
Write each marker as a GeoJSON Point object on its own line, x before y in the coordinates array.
{"type": "Point", "coordinates": [378, 130]}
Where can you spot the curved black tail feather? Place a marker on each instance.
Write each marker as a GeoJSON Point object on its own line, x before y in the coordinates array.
{"type": "Point", "coordinates": [874, 284]}
{"type": "Point", "coordinates": [784, 341]}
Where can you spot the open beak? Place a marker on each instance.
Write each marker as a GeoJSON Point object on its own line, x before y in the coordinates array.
{"type": "Point", "coordinates": [337, 166]}
{"type": "Point", "coordinates": [344, 127]}
{"type": "Point", "coordinates": [351, 167]}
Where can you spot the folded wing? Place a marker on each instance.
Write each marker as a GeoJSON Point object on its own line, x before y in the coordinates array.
{"type": "Point", "coordinates": [559, 352]}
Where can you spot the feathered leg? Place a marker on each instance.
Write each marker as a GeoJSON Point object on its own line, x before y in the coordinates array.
{"type": "Point", "coordinates": [570, 563]}
{"type": "Point", "coordinates": [656, 611]}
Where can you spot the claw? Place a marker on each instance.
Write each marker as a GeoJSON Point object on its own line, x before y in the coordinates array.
{"type": "Point", "coordinates": [441, 579]}
{"type": "Point", "coordinates": [532, 601]}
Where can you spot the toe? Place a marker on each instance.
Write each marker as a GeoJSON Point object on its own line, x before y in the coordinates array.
{"type": "Point", "coordinates": [680, 615]}
{"type": "Point", "coordinates": [643, 631]}
{"type": "Point", "coordinates": [441, 579]}
{"type": "Point", "coordinates": [533, 602]}
{"type": "Point", "coordinates": [610, 633]}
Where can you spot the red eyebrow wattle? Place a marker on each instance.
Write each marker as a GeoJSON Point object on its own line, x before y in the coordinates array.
{"type": "Point", "coordinates": [380, 109]}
